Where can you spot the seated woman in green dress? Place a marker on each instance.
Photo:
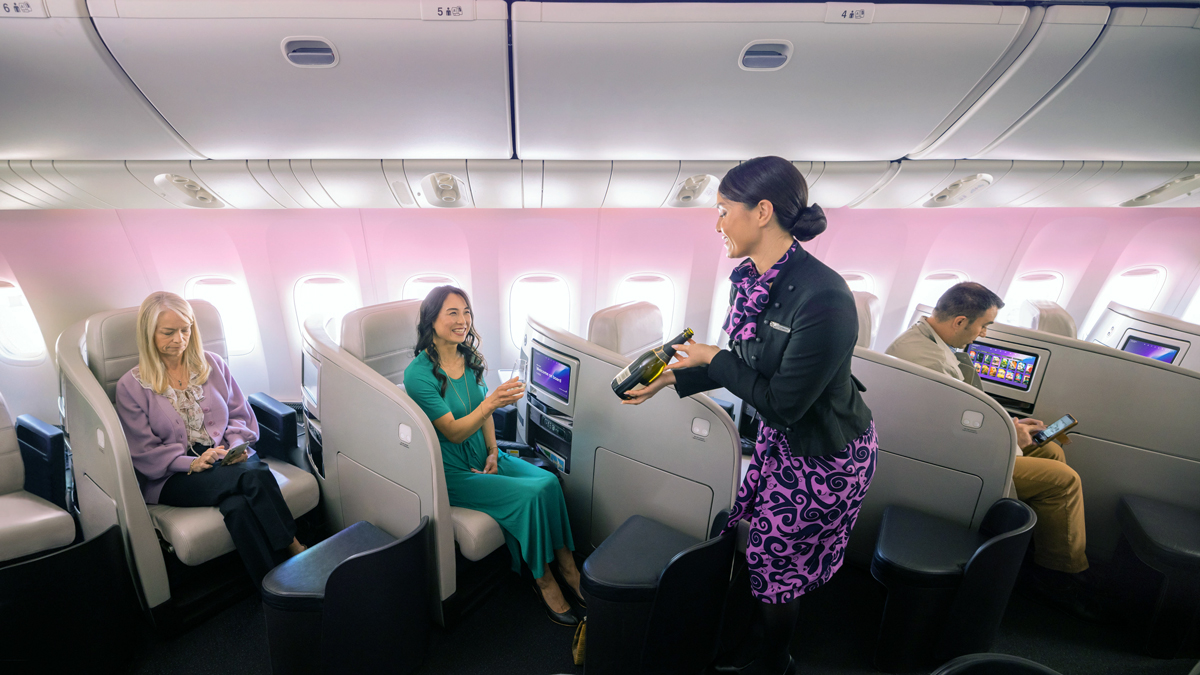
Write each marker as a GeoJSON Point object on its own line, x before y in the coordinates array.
{"type": "Point", "coordinates": [446, 380]}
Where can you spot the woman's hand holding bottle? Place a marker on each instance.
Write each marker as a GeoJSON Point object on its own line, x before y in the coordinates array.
{"type": "Point", "coordinates": [507, 393]}
{"type": "Point", "coordinates": [641, 394]}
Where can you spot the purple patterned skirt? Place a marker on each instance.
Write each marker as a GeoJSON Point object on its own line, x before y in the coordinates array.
{"type": "Point", "coordinates": [801, 511]}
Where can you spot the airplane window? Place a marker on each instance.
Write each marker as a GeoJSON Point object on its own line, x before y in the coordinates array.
{"type": "Point", "coordinates": [1192, 315]}
{"type": "Point", "coordinates": [1045, 285]}
{"type": "Point", "coordinates": [418, 286]}
{"type": "Point", "coordinates": [233, 302]}
{"type": "Point", "coordinates": [1137, 288]}
{"type": "Point", "coordinates": [544, 297]}
{"type": "Point", "coordinates": [933, 285]}
{"type": "Point", "coordinates": [720, 308]}
{"type": "Point", "coordinates": [326, 295]}
{"type": "Point", "coordinates": [655, 289]}
{"type": "Point", "coordinates": [20, 338]}
{"type": "Point", "coordinates": [859, 281]}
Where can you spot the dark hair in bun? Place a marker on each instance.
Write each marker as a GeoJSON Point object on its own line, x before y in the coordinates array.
{"type": "Point", "coordinates": [778, 181]}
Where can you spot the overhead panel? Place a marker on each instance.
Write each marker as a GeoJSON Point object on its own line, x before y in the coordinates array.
{"type": "Point", "coordinates": [1063, 37]}
{"type": "Point", "coordinates": [355, 183]}
{"type": "Point", "coordinates": [1121, 182]}
{"type": "Point", "coordinates": [176, 183]}
{"type": "Point", "coordinates": [393, 172]}
{"type": "Point", "coordinates": [439, 183]}
{"type": "Point", "coordinates": [352, 79]}
{"type": "Point", "coordinates": [260, 170]}
{"type": "Point", "coordinates": [697, 183]}
{"type": "Point", "coordinates": [232, 180]}
{"type": "Point", "coordinates": [910, 186]}
{"type": "Point", "coordinates": [846, 183]}
{"type": "Point", "coordinates": [1133, 97]}
{"type": "Point", "coordinates": [640, 184]}
{"type": "Point", "coordinates": [575, 185]}
{"type": "Point", "coordinates": [63, 97]}
{"type": "Point", "coordinates": [112, 182]}
{"type": "Point", "coordinates": [40, 174]}
{"type": "Point", "coordinates": [532, 177]}
{"type": "Point", "coordinates": [671, 81]}
{"type": "Point", "coordinates": [495, 183]}
{"type": "Point", "coordinates": [16, 186]}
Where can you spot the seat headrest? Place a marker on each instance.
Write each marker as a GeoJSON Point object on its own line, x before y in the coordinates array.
{"type": "Point", "coordinates": [12, 468]}
{"type": "Point", "coordinates": [869, 314]}
{"type": "Point", "coordinates": [383, 336]}
{"type": "Point", "coordinates": [919, 312]}
{"type": "Point", "coordinates": [1048, 317]}
{"type": "Point", "coordinates": [629, 328]}
{"type": "Point", "coordinates": [110, 341]}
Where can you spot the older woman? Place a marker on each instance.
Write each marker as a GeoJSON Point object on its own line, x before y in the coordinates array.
{"type": "Point", "coordinates": [446, 380]}
{"type": "Point", "coordinates": [182, 412]}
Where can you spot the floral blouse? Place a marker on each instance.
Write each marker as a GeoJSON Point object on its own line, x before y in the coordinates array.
{"type": "Point", "coordinates": [186, 402]}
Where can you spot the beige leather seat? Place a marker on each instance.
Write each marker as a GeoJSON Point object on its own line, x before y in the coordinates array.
{"type": "Point", "coordinates": [383, 337]}
{"type": "Point", "coordinates": [1048, 317]}
{"type": "Point", "coordinates": [870, 311]}
{"type": "Point", "coordinates": [197, 534]}
{"type": "Point", "coordinates": [628, 329]}
{"type": "Point", "coordinates": [28, 523]}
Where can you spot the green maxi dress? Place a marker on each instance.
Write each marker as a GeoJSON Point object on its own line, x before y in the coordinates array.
{"type": "Point", "coordinates": [526, 501]}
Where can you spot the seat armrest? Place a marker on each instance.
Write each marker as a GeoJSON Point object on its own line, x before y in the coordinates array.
{"type": "Point", "coordinates": [506, 423]}
{"type": "Point", "coordinates": [43, 451]}
{"type": "Point", "coordinates": [276, 426]}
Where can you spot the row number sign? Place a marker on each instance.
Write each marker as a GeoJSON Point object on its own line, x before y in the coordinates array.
{"type": "Point", "coordinates": [849, 12]}
{"type": "Point", "coordinates": [447, 10]}
{"type": "Point", "coordinates": [23, 9]}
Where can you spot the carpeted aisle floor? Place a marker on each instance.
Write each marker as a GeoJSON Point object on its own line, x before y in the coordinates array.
{"type": "Point", "coordinates": [509, 634]}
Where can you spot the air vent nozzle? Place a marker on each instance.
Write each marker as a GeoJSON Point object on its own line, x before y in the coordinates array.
{"type": "Point", "coordinates": [960, 191]}
{"type": "Point", "coordinates": [309, 52]}
{"type": "Point", "coordinates": [444, 190]}
{"type": "Point", "coordinates": [1180, 187]}
{"type": "Point", "coordinates": [765, 55]}
{"type": "Point", "coordinates": [698, 190]}
{"type": "Point", "coordinates": [186, 191]}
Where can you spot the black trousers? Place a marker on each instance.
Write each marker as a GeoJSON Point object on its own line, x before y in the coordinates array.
{"type": "Point", "coordinates": [247, 495]}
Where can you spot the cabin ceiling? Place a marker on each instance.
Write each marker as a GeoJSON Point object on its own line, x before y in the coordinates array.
{"type": "Point", "coordinates": [358, 103]}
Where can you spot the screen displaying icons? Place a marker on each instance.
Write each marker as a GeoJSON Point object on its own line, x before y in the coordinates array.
{"type": "Point", "coordinates": [1003, 366]}
{"type": "Point", "coordinates": [1149, 349]}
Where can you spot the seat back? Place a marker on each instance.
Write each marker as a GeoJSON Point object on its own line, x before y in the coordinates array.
{"type": "Point", "coordinates": [383, 336]}
{"type": "Point", "coordinates": [988, 580]}
{"type": "Point", "coordinates": [1048, 317]}
{"type": "Point", "coordinates": [685, 620]}
{"type": "Point", "coordinates": [110, 343]}
{"type": "Point", "coordinates": [629, 328]}
{"type": "Point", "coordinates": [12, 468]}
{"type": "Point", "coordinates": [870, 312]}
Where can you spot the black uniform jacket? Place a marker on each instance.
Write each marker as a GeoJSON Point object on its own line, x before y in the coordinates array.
{"type": "Point", "coordinates": [796, 372]}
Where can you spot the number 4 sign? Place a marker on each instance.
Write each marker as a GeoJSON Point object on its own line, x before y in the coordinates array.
{"type": "Point", "coordinates": [849, 12]}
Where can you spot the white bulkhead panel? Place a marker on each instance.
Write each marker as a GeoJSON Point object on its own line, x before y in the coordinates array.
{"type": "Point", "coordinates": [495, 183]}
{"type": "Point", "coordinates": [672, 81]}
{"type": "Point", "coordinates": [355, 183]}
{"type": "Point", "coordinates": [353, 79]}
{"type": "Point", "coordinates": [640, 184]}
{"type": "Point", "coordinates": [1062, 39]}
{"type": "Point", "coordinates": [63, 97]}
{"type": "Point", "coordinates": [575, 185]}
{"type": "Point", "coordinates": [1140, 77]}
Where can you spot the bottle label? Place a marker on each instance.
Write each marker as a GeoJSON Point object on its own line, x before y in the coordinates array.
{"type": "Point", "coordinates": [622, 376]}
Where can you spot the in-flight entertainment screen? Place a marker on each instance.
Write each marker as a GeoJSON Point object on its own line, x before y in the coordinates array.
{"type": "Point", "coordinates": [550, 374]}
{"type": "Point", "coordinates": [1003, 366]}
{"type": "Point", "coordinates": [1151, 350]}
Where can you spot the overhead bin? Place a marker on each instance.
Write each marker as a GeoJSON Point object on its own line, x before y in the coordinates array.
{"type": "Point", "coordinates": [1134, 96]}
{"type": "Point", "coordinates": [63, 97]}
{"type": "Point", "coordinates": [1063, 36]}
{"type": "Point", "coordinates": [352, 79]}
{"type": "Point", "coordinates": [690, 81]}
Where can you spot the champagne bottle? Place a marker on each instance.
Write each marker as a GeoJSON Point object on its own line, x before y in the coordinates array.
{"type": "Point", "coordinates": [647, 367]}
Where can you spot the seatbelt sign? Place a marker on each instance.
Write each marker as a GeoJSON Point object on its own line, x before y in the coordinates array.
{"type": "Point", "coordinates": [447, 10]}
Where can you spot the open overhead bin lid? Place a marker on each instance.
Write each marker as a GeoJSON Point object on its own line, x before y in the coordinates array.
{"type": "Point", "coordinates": [63, 97]}
{"type": "Point", "coordinates": [691, 81]}
{"type": "Point", "coordinates": [352, 79]}
{"type": "Point", "coordinates": [1134, 96]}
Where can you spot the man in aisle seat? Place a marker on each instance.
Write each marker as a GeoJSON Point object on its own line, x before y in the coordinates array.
{"type": "Point", "coordinates": [445, 378]}
{"type": "Point", "coordinates": [1041, 475]}
{"type": "Point", "coordinates": [182, 412]}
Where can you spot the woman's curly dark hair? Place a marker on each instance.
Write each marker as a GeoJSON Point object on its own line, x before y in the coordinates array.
{"type": "Point", "coordinates": [469, 348]}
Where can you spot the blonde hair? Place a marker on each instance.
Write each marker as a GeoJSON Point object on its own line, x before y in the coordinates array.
{"type": "Point", "coordinates": [152, 371]}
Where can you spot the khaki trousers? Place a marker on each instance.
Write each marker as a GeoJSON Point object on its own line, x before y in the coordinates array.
{"type": "Point", "coordinates": [1054, 492]}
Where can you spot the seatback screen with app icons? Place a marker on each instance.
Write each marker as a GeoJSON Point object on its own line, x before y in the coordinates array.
{"type": "Point", "coordinates": [1002, 366]}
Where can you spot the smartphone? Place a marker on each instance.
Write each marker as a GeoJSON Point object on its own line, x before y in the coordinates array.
{"type": "Point", "coordinates": [1062, 424]}
{"type": "Point", "coordinates": [234, 453]}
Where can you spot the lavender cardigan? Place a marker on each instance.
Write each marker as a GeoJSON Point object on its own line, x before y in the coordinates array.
{"type": "Point", "coordinates": [156, 434]}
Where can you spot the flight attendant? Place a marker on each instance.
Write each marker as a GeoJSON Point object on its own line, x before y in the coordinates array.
{"type": "Point", "coordinates": [182, 411]}
{"type": "Point", "coordinates": [446, 380]}
{"type": "Point", "coordinates": [792, 325]}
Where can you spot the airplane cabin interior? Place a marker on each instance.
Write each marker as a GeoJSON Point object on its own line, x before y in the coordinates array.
{"type": "Point", "coordinates": [306, 173]}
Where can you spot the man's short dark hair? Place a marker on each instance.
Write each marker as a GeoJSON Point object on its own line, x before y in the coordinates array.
{"type": "Point", "coordinates": [967, 299]}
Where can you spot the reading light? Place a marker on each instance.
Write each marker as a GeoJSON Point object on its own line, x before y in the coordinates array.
{"type": "Point", "coordinates": [444, 190]}
{"type": "Point", "coordinates": [186, 191]}
{"type": "Point", "coordinates": [698, 190]}
{"type": "Point", "coordinates": [960, 190]}
{"type": "Point", "coordinates": [1180, 187]}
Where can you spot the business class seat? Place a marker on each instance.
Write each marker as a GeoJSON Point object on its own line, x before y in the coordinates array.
{"type": "Point", "coordinates": [1048, 317]}
{"type": "Point", "coordinates": [870, 312]}
{"type": "Point", "coordinates": [628, 329]}
{"type": "Point", "coordinates": [28, 523]}
{"type": "Point", "coordinates": [383, 337]}
{"type": "Point", "coordinates": [196, 534]}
